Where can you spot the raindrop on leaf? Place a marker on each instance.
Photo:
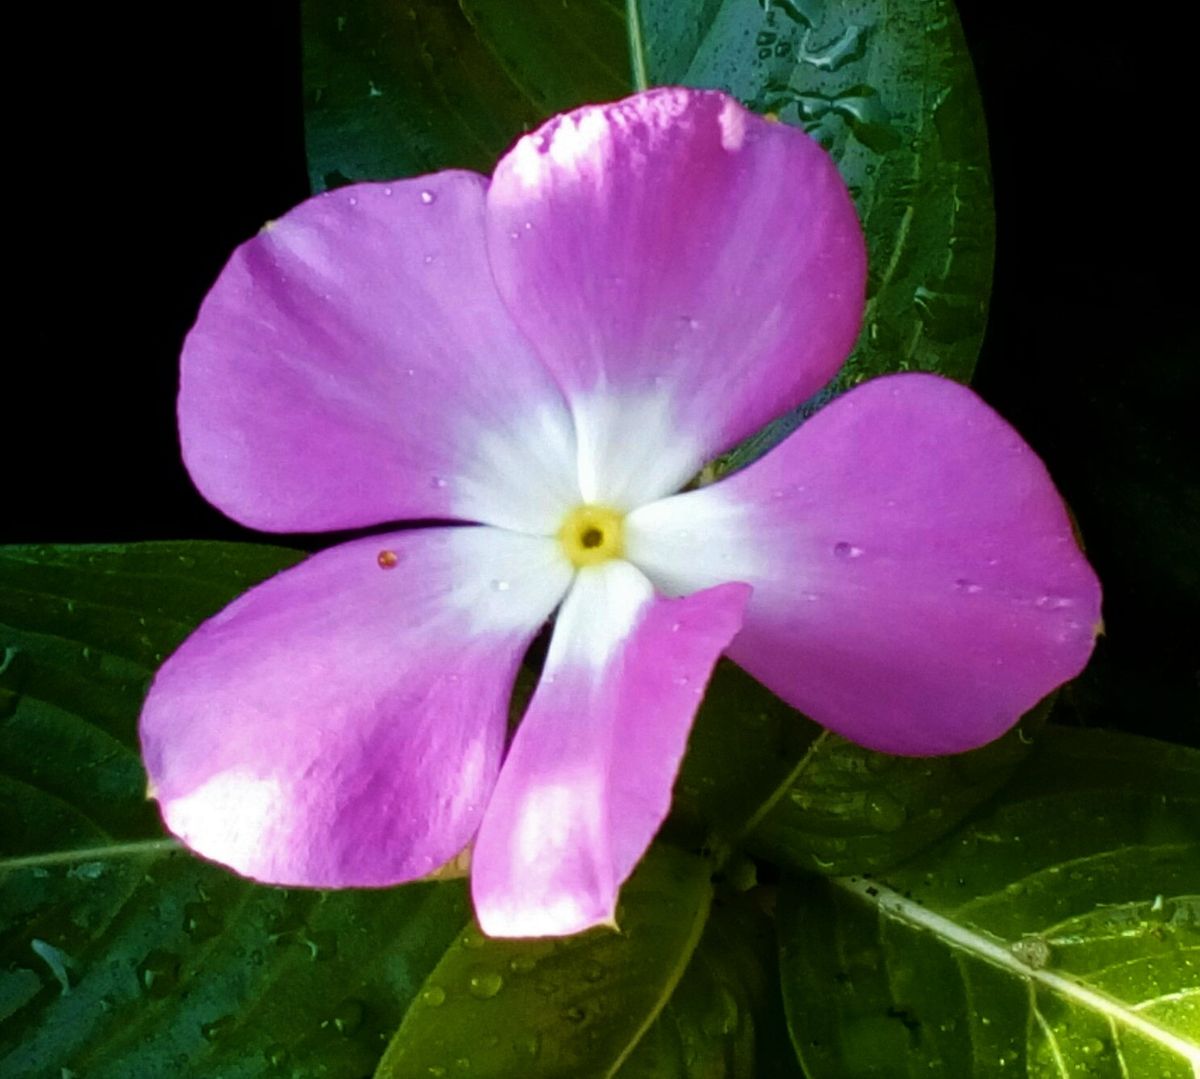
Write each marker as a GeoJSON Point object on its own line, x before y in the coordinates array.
{"type": "Point", "coordinates": [485, 984]}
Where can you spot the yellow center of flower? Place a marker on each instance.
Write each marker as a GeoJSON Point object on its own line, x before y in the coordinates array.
{"type": "Point", "coordinates": [592, 534]}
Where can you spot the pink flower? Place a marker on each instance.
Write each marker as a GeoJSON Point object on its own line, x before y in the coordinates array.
{"type": "Point", "coordinates": [548, 357]}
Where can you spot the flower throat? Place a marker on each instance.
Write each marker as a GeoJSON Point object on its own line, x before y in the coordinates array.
{"type": "Point", "coordinates": [592, 534]}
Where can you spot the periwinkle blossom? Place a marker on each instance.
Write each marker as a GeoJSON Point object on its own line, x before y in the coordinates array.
{"type": "Point", "coordinates": [544, 360]}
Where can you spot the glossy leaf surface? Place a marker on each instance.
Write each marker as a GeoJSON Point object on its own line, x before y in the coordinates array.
{"type": "Point", "coordinates": [1056, 934]}
{"type": "Point", "coordinates": [723, 1018]}
{"type": "Point", "coordinates": [845, 809]}
{"type": "Point", "coordinates": [559, 1009]}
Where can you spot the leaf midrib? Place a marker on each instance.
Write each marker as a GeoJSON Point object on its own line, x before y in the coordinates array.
{"type": "Point", "coordinates": [893, 905]}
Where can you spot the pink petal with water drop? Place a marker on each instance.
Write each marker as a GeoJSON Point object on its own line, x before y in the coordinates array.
{"type": "Point", "coordinates": [917, 586]}
{"type": "Point", "coordinates": [354, 365]}
{"type": "Point", "coordinates": [343, 722]}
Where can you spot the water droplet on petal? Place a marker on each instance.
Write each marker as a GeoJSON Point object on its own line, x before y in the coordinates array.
{"type": "Point", "coordinates": [352, 200]}
{"type": "Point", "coordinates": [428, 260]}
{"type": "Point", "coordinates": [387, 190]}
{"type": "Point", "coordinates": [846, 550]}
{"type": "Point", "coordinates": [437, 481]}
{"type": "Point", "coordinates": [500, 586]}
{"type": "Point", "coordinates": [433, 996]}
{"type": "Point", "coordinates": [428, 197]}
{"type": "Point", "coordinates": [969, 587]}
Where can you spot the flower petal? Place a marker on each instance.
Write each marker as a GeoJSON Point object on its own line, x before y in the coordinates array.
{"type": "Point", "coordinates": [588, 778]}
{"type": "Point", "coordinates": [342, 723]}
{"type": "Point", "coordinates": [354, 365]}
{"type": "Point", "coordinates": [916, 583]}
{"type": "Point", "coordinates": [688, 271]}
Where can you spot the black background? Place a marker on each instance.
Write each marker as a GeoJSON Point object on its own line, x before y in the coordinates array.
{"type": "Point", "coordinates": [150, 142]}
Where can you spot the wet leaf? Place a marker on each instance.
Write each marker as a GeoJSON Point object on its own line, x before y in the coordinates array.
{"type": "Point", "coordinates": [1057, 933]}
{"type": "Point", "coordinates": [558, 1009]}
{"type": "Point", "coordinates": [745, 743]}
{"type": "Point", "coordinates": [845, 809]}
{"type": "Point", "coordinates": [723, 1018]}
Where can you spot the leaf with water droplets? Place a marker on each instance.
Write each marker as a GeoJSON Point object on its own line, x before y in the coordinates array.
{"type": "Point", "coordinates": [845, 809]}
{"type": "Point", "coordinates": [120, 955]}
{"type": "Point", "coordinates": [1057, 933]}
{"type": "Point", "coordinates": [724, 1017]}
{"type": "Point", "coordinates": [564, 1008]}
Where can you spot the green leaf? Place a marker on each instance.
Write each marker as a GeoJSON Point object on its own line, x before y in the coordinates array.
{"type": "Point", "coordinates": [1057, 934]}
{"type": "Point", "coordinates": [150, 962]}
{"type": "Point", "coordinates": [744, 744]}
{"type": "Point", "coordinates": [886, 85]}
{"type": "Point", "coordinates": [119, 955]}
{"type": "Point", "coordinates": [571, 1008]}
{"type": "Point", "coordinates": [722, 1019]}
{"type": "Point", "coordinates": [846, 809]}
{"type": "Point", "coordinates": [395, 90]}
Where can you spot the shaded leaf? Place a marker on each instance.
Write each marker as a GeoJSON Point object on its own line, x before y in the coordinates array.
{"type": "Point", "coordinates": [745, 743]}
{"type": "Point", "coordinates": [395, 90]}
{"type": "Point", "coordinates": [1057, 933]}
{"type": "Point", "coordinates": [723, 1020]}
{"type": "Point", "coordinates": [570, 1008]}
{"type": "Point", "coordinates": [846, 809]}
{"type": "Point", "coordinates": [179, 968]}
